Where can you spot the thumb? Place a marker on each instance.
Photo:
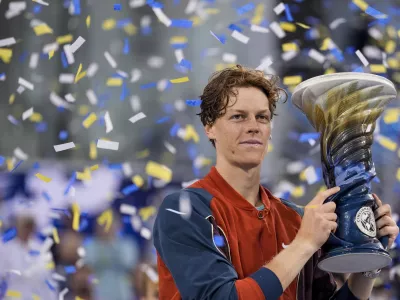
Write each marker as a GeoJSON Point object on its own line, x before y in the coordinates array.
{"type": "Point", "coordinates": [322, 196]}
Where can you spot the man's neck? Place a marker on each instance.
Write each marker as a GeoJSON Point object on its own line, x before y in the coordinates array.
{"type": "Point", "coordinates": [245, 182]}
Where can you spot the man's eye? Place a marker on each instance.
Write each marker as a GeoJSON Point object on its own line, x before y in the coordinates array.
{"type": "Point", "coordinates": [236, 117]}
{"type": "Point", "coordinates": [264, 117]}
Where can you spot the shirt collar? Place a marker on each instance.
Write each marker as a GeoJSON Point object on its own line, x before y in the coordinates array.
{"type": "Point", "coordinates": [231, 195]}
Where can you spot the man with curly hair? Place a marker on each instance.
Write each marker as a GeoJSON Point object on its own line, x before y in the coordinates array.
{"type": "Point", "coordinates": [239, 241]}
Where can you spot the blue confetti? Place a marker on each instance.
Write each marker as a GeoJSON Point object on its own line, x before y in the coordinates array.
{"type": "Point", "coordinates": [180, 69]}
{"type": "Point", "coordinates": [23, 56]}
{"type": "Point", "coordinates": [70, 183]}
{"type": "Point", "coordinates": [182, 23]}
{"type": "Point", "coordinates": [174, 130]}
{"type": "Point", "coordinates": [304, 137]}
{"type": "Point", "coordinates": [192, 151]}
{"type": "Point", "coordinates": [358, 69]}
{"type": "Point", "coordinates": [83, 225]}
{"type": "Point", "coordinates": [148, 85]}
{"type": "Point", "coordinates": [221, 38]}
{"type": "Point", "coordinates": [234, 27]}
{"type": "Point", "coordinates": [115, 166]}
{"type": "Point", "coordinates": [146, 30]}
{"type": "Point", "coordinates": [195, 102]}
{"type": "Point", "coordinates": [2, 160]}
{"type": "Point", "coordinates": [123, 22]}
{"type": "Point", "coordinates": [186, 64]}
{"type": "Point", "coordinates": [168, 108]}
{"type": "Point", "coordinates": [373, 12]}
{"type": "Point", "coordinates": [117, 7]}
{"type": "Point", "coordinates": [17, 165]}
{"type": "Point", "coordinates": [34, 252]}
{"type": "Point", "coordinates": [126, 46]}
{"type": "Point", "coordinates": [219, 241]}
{"type": "Point", "coordinates": [245, 8]}
{"type": "Point", "coordinates": [179, 46]}
{"type": "Point", "coordinates": [46, 196]}
{"type": "Point", "coordinates": [63, 135]}
{"type": "Point", "coordinates": [338, 54]}
{"type": "Point", "coordinates": [163, 120]}
{"type": "Point", "coordinates": [36, 165]}
{"type": "Point", "coordinates": [129, 189]}
{"type": "Point", "coordinates": [154, 4]}
{"type": "Point", "coordinates": [124, 92]}
{"type": "Point", "coordinates": [77, 7]}
{"type": "Point", "coordinates": [51, 287]}
{"type": "Point", "coordinates": [2, 75]}
{"type": "Point", "coordinates": [64, 60]}
{"type": "Point", "coordinates": [9, 234]}
{"type": "Point", "coordinates": [288, 13]}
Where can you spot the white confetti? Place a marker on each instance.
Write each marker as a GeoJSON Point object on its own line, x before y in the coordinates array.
{"type": "Point", "coordinates": [81, 251]}
{"type": "Point", "coordinates": [66, 78]}
{"type": "Point", "coordinates": [50, 47]}
{"type": "Point", "coordinates": [375, 33]}
{"type": "Point", "coordinates": [127, 209]}
{"type": "Point", "coordinates": [162, 84]}
{"type": "Point", "coordinates": [229, 58]}
{"type": "Point", "coordinates": [311, 175]}
{"type": "Point", "coordinates": [191, 7]}
{"type": "Point", "coordinates": [137, 117]}
{"type": "Point", "coordinates": [145, 233]}
{"type": "Point", "coordinates": [77, 44]}
{"type": "Point", "coordinates": [62, 294]}
{"type": "Point", "coordinates": [295, 167]}
{"type": "Point", "coordinates": [122, 74]}
{"type": "Point", "coordinates": [277, 30]}
{"type": "Point", "coordinates": [27, 114]}
{"type": "Point", "coordinates": [62, 147]}
{"type": "Point", "coordinates": [240, 37]}
{"type": "Point", "coordinates": [286, 56]}
{"type": "Point", "coordinates": [362, 58]}
{"type": "Point", "coordinates": [107, 120]}
{"type": "Point", "coordinates": [137, 3]}
{"type": "Point", "coordinates": [136, 223]}
{"type": "Point", "coordinates": [2, 77]}
{"type": "Point", "coordinates": [41, 2]}
{"type": "Point", "coordinates": [279, 8]}
{"type": "Point", "coordinates": [127, 169]}
{"type": "Point", "coordinates": [7, 42]}
{"type": "Point", "coordinates": [70, 98]}
{"type": "Point", "coordinates": [155, 62]}
{"type": "Point", "coordinates": [265, 63]}
{"type": "Point", "coordinates": [68, 54]}
{"type": "Point", "coordinates": [335, 23]}
{"type": "Point", "coordinates": [25, 83]}
{"type": "Point", "coordinates": [110, 60]}
{"type": "Point", "coordinates": [12, 120]}
{"type": "Point", "coordinates": [20, 89]}
{"type": "Point", "coordinates": [21, 155]}
{"type": "Point", "coordinates": [109, 145]}
{"type": "Point", "coordinates": [58, 101]}
{"type": "Point", "coordinates": [33, 61]}
{"type": "Point", "coordinates": [135, 74]}
{"type": "Point", "coordinates": [145, 21]}
{"type": "Point", "coordinates": [314, 54]}
{"type": "Point", "coordinates": [170, 148]}
{"type": "Point", "coordinates": [256, 28]}
{"type": "Point", "coordinates": [135, 103]}
{"type": "Point", "coordinates": [179, 55]}
{"type": "Point", "coordinates": [185, 206]}
{"type": "Point", "coordinates": [91, 96]}
{"type": "Point", "coordinates": [162, 17]}
{"type": "Point", "coordinates": [47, 244]}
{"type": "Point", "coordinates": [92, 70]}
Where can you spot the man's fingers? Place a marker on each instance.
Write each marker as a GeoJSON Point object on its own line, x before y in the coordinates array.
{"type": "Point", "coordinates": [333, 226]}
{"type": "Point", "coordinates": [322, 196]}
{"type": "Point", "coordinates": [329, 207]}
{"type": "Point", "coordinates": [331, 216]}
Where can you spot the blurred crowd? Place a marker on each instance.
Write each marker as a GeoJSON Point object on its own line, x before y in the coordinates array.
{"type": "Point", "coordinates": [107, 255]}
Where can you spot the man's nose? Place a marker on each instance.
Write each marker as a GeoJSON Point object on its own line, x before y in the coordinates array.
{"type": "Point", "coordinates": [252, 125]}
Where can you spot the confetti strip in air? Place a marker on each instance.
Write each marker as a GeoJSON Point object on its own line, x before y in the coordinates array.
{"type": "Point", "coordinates": [109, 145]}
{"type": "Point", "coordinates": [240, 37]}
{"type": "Point", "coordinates": [362, 58]}
{"type": "Point", "coordinates": [63, 147]}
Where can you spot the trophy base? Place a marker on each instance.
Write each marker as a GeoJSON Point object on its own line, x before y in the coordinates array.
{"type": "Point", "coordinates": [355, 259]}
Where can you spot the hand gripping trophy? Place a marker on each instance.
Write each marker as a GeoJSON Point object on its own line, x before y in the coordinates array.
{"type": "Point", "coordinates": [343, 108]}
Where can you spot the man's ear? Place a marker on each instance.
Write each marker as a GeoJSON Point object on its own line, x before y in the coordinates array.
{"type": "Point", "coordinates": [209, 129]}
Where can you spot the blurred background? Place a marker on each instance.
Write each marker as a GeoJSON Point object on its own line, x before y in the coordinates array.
{"type": "Point", "coordinates": [98, 124]}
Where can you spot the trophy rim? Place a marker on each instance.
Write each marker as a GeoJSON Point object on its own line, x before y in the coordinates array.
{"type": "Point", "coordinates": [298, 91]}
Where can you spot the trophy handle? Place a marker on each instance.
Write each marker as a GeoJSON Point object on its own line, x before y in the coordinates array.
{"type": "Point", "coordinates": [384, 239]}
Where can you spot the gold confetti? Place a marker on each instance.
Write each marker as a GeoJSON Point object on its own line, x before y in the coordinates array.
{"type": "Point", "coordinates": [6, 55]}
{"type": "Point", "coordinates": [92, 151]}
{"type": "Point", "coordinates": [158, 171]}
{"type": "Point", "coordinates": [361, 4]}
{"type": "Point", "coordinates": [13, 294]}
{"type": "Point", "coordinates": [298, 192]}
{"type": "Point", "coordinates": [390, 47]}
{"type": "Point", "coordinates": [42, 29]}
{"type": "Point", "coordinates": [303, 25]}
{"type": "Point", "coordinates": [114, 82]}
{"type": "Point", "coordinates": [64, 39]}
{"type": "Point", "coordinates": [51, 53]}
{"type": "Point", "coordinates": [106, 218]}
{"type": "Point", "coordinates": [377, 68]}
{"type": "Point", "coordinates": [138, 180]}
{"type": "Point", "coordinates": [180, 80]}
{"type": "Point", "coordinates": [143, 154]}
{"type": "Point", "coordinates": [289, 47]}
{"type": "Point", "coordinates": [89, 120]}
{"type": "Point", "coordinates": [130, 29]}
{"type": "Point", "coordinates": [178, 40]}
{"type": "Point", "coordinates": [75, 216]}
{"type": "Point", "coordinates": [88, 19]}
{"type": "Point", "coordinates": [43, 178]}
{"type": "Point", "coordinates": [387, 143]}
{"type": "Point", "coordinates": [12, 98]}
{"type": "Point", "coordinates": [94, 167]}
{"type": "Point", "coordinates": [289, 27]}
{"type": "Point", "coordinates": [109, 24]}
{"type": "Point", "coordinates": [146, 212]}
{"type": "Point", "coordinates": [35, 297]}
{"type": "Point", "coordinates": [190, 133]}
{"type": "Point", "coordinates": [292, 80]}
{"type": "Point", "coordinates": [55, 236]}
{"type": "Point", "coordinates": [398, 174]}
{"type": "Point", "coordinates": [36, 117]}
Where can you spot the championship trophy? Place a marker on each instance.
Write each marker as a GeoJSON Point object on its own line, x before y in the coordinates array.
{"type": "Point", "coordinates": [343, 108]}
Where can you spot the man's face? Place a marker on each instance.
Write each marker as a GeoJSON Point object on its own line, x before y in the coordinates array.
{"type": "Point", "coordinates": [241, 135]}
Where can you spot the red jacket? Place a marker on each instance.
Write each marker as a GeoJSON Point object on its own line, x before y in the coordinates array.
{"type": "Point", "coordinates": [219, 250]}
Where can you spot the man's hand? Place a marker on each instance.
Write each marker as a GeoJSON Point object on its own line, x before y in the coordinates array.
{"type": "Point", "coordinates": [385, 224]}
{"type": "Point", "coordinates": [319, 220]}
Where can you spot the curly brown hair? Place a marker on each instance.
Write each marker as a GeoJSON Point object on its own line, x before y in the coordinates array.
{"type": "Point", "coordinates": [222, 85]}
